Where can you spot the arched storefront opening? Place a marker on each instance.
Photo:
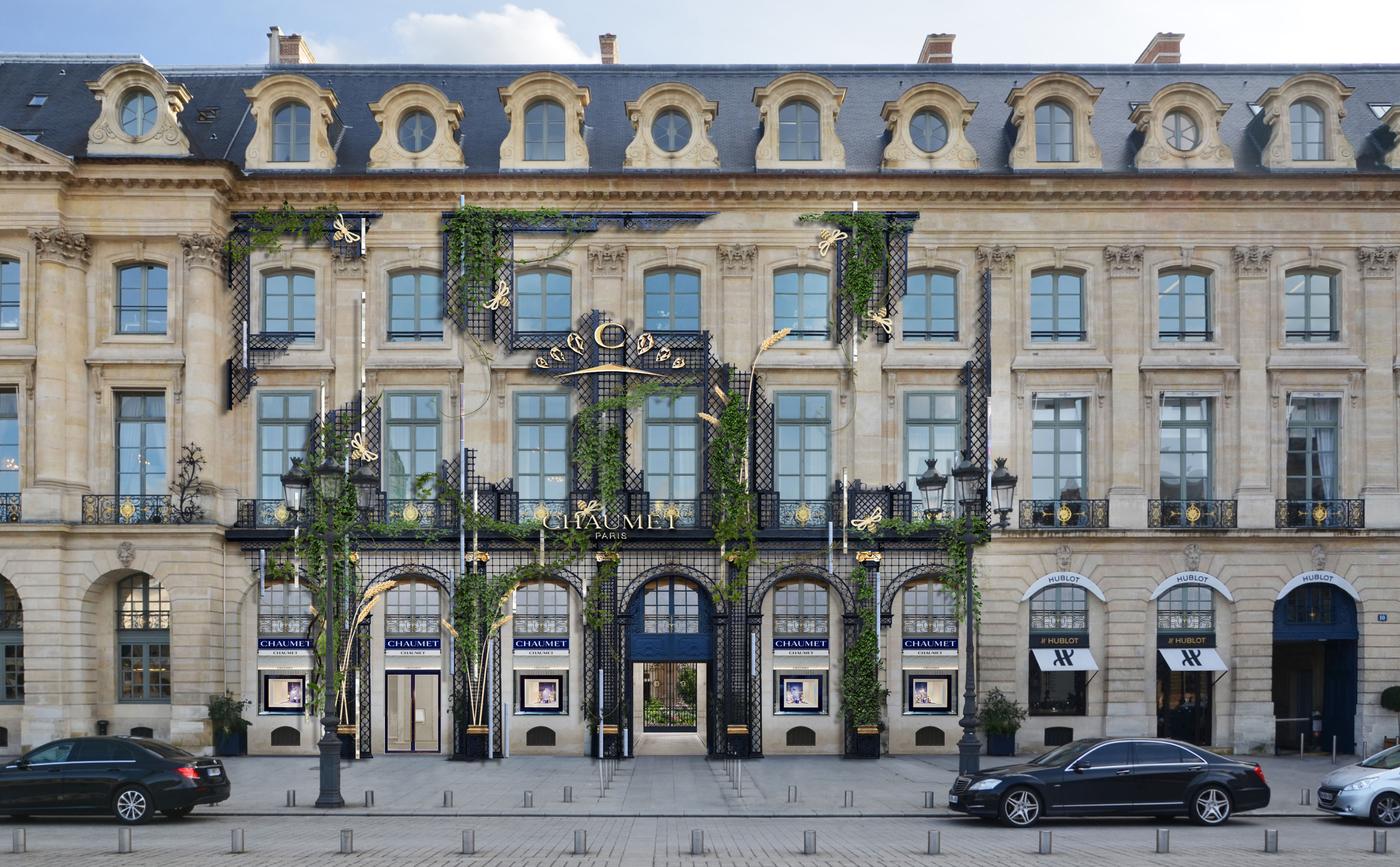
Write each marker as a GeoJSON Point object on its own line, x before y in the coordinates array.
{"type": "Point", "coordinates": [413, 667]}
{"type": "Point", "coordinates": [1315, 650]}
{"type": "Point", "coordinates": [670, 645]}
{"type": "Point", "coordinates": [1186, 663]}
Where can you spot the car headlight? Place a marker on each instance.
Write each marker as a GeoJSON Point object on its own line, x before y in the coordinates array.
{"type": "Point", "coordinates": [1364, 783]}
{"type": "Point", "coordinates": [982, 785]}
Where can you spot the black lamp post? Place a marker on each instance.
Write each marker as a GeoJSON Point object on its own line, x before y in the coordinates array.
{"type": "Point", "coordinates": [1003, 487]}
{"type": "Point", "coordinates": [931, 484]}
{"type": "Point", "coordinates": [329, 481]}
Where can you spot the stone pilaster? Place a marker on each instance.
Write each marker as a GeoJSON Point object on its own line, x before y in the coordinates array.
{"type": "Point", "coordinates": [1002, 412]}
{"type": "Point", "coordinates": [342, 323]}
{"type": "Point", "coordinates": [737, 292]}
{"type": "Point", "coordinates": [204, 343]}
{"type": "Point", "coordinates": [607, 271]}
{"type": "Point", "coordinates": [1378, 348]}
{"type": "Point", "coordinates": [1127, 493]}
{"type": "Point", "coordinates": [1253, 267]}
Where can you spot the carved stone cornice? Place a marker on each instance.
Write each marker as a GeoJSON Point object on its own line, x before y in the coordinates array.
{"type": "Point", "coordinates": [1123, 261]}
{"type": "Point", "coordinates": [1377, 261]}
{"type": "Point", "coordinates": [736, 260]}
{"type": "Point", "coordinates": [1253, 261]}
{"type": "Point", "coordinates": [60, 245]}
{"type": "Point", "coordinates": [607, 260]}
{"type": "Point", "coordinates": [997, 258]}
{"type": "Point", "coordinates": [203, 251]}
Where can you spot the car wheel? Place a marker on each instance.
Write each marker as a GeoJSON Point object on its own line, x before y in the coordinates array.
{"type": "Point", "coordinates": [1020, 808]}
{"type": "Point", "coordinates": [1210, 806]}
{"type": "Point", "coordinates": [177, 813]}
{"type": "Point", "coordinates": [132, 805]}
{"type": "Point", "coordinates": [1385, 810]}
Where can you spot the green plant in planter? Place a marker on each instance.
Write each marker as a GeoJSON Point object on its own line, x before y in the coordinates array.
{"type": "Point", "coordinates": [1390, 699]}
{"type": "Point", "coordinates": [226, 714]}
{"type": "Point", "coordinates": [1000, 714]}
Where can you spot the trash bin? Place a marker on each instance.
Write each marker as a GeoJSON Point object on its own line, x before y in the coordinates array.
{"type": "Point", "coordinates": [102, 726]}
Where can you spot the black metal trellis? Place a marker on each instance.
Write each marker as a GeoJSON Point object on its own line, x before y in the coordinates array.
{"type": "Point", "coordinates": [890, 284]}
{"type": "Point", "coordinates": [977, 378]}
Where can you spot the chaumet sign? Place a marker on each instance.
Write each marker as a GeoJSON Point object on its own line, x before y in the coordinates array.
{"type": "Point", "coordinates": [609, 337]}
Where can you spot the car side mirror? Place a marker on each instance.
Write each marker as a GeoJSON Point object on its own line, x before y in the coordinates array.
{"type": "Point", "coordinates": [21, 764]}
{"type": "Point", "coordinates": [1081, 767]}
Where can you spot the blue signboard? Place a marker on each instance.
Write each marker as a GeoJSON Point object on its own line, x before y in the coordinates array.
{"type": "Point", "coordinates": [412, 646]}
{"type": "Point", "coordinates": [284, 646]}
{"type": "Point", "coordinates": [541, 646]}
{"type": "Point", "coordinates": [800, 646]}
{"type": "Point", "coordinates": [930, 646]}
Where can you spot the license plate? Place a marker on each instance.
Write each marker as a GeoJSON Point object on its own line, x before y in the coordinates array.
{"type": "Point", "coordinates": [216, 772]}
{"type": "Point", "coordinates": [952, 799]}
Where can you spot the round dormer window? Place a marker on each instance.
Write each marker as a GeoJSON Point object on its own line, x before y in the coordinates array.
{"type": "Point", "coordinates": [929, 131]}
{"type": "Point", "coordinates": [671, 130]}
{"type": "Point", "coordinates": [138, 112]}
{"type": "Point", "coordinates": [1181, 130]}
{"type": "Point", "coordinates": [417, 131]}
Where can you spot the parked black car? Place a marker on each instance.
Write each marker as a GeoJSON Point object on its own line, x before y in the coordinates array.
{"type": "Point", "coordinates": [1114, 777]}
{"type": "Point", "coordinates": [129, 777]}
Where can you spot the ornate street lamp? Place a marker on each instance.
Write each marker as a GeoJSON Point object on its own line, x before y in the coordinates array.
{"type": "Point", "coordinates": [294, 484]}
{"type": "Point", "coordinates": [366, 482]}
{"type": "Point", "coordinates": [931, 484]}
{"type": "Point", "coordinates": [967, 479]}
{"type": "Point", "coordinates": [1003, 488]}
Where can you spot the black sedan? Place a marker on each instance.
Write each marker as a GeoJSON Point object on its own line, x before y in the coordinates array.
{"type": "Point", "coordinates": [1114, 777]}
{"type": "Point", "coordinates": [131, 778]}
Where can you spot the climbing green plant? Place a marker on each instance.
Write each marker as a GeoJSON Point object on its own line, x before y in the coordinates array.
{"type": "Point", "coordinates": [475, 239]}
{"type": "Point", "coordinates": [598, 445]}
{"type": "Point", "coordinates": [862, 694]}
{"type": "Point", "coordinates": [735, 521]}
{"type": "Point", "coordinates": [953, 531]}
{"type": "Point", "coordinates": [267, 228]}
{"type": "Point", "coordinates": [866, 256]}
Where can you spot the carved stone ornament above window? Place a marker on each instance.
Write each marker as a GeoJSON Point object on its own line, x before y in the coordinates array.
{"type": "Point", "coordinates": [269, 95]}
{"type": "Point", "coordinates": [429, 142]}
{"type": "Point", "coordinates": [1327, 94]}
{"type": "Point", "coordinates": [1377, 261]}
{"type": "Point", "coordinates": [941, 115]}
{"type": "Point", "coordinates": [1253, 261]}
{"type": "Point", "coordinates": [997, 259]}
{"type": "Point", "coordinates": [1123, 261]}
{"type": "Point", "coordinates": [138, 115]}
{"type": "Point", "coordinates": [821, 94]}
{"type": "Point", "coordinates": [737, 259]}
{"type": "Point", "coordinates": [516, 99]}
{"type": "Point", "coordinates": [681, 115]}
{"type": "Point", "coordinates": [1181, 129]}
{"type": "Point", "coordinates": [1078, 96]}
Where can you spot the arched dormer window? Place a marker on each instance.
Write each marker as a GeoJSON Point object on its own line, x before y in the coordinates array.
{"type": "Point", "coordinates": [927, 127]}
{"type": "Point", "coordinates": [544, 131]}
{"type": "Point", "coordinates": [798, 112]}
{"type": "Point", "coordinates": [546, 113]}
{"type": "Point", "coordinates": [1305, 119]}
{"type": "Point", "coordinates": [417, 129]}
{"type": "Point", "coordinates": [139, 114]}
{"type": "Point", "coordinates": [672, 129]}
{"type": "Point", "coordinates": [291, 133]}
{"type": "Point", "coordinates": [292, 116]}
{"type": "Point", "coordinates": [1052, 114]}
{"type": "Point", "coordinates": [1180, 129]}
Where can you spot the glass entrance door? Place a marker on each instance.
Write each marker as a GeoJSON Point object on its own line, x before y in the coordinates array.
{"type": "Point", "coordinates": [411, 711]}
{"type": "Point", "coordinates": [1183, 704]}
{"type": "Point", "coordinates": [669, 696]}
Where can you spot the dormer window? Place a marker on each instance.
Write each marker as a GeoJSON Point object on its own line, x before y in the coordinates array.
{"type": "Point", "coordinates": [798, 113]}
{"type": "Point", "coordinates": [1304, 115]}
{"type": "Point", "coordinates": [799, 131]}
{"type": "Point", "coordinates": [1306, 124]}
{"type": "Point", "coordinates": [291, 133]}
{"type": "Point", "coordinates": [1054, 133]}
{"type": "Point", "coordinates": [292, 117]}
{"type": "Point", "coordinates": [1053, 114]}
{"type": "Point", "coordinates": [928, 130]}
{"type": "Point", "coordinates": [671, 129]}
{"type": "Point", "coordinates": [138, 112]}
{"type": "Point", "coordinates": [546, 113]}
{"type": "Point", "coordinates": [1181, 131]}
{"type": "Point", "coordinates": [416, 131]}
{"type": "Point", "coordinates": [544, 131]}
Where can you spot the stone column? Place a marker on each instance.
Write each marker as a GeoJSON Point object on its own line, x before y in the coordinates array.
{"type": "Point", "coordinates": [1002, 432]}
{"type": "Point", "coordinates": [204, 345]}
{"type": "Point", "coordinates": [1253, 266]}
{"type": "Point", "coordinates": [60, 388]}
{"type": "Point", "coordinates": [1126, 493]}
{"type": "Point", "coordinates": [1379, 488]}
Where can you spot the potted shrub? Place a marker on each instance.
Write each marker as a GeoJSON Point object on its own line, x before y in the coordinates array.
{"type": "Point", "coordinates": [230, 728]}
{"type": "Point", "coordinates": [1390, 700]}
{"type": "Point", "coordinates": [1001, 718]}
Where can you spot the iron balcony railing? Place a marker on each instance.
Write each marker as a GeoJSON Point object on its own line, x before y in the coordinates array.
{"type": "Point", "coordinates": [552, 625]}
{"type": "Point", "coordinates": [794, 626]}
{"type": "Point", "coordinates": [426, 514]}
{"type": "Point", "coordinates": [1320, 514]}
{"type": "Point", "coordinates": [411, 624]}
{"type": "Point", "coordinates": [10, 508]}
{"type": "Point", "coordinates": [284, 626]}
{"type": "Point", "coordinates": [1191, 514]}
{"type": "Point", "coordinates": [128, 509]}
{"type": "Point", "coordinates": [1064, 514]}
{"type": "Point", "coordinates": [1059, 621]}
{"type": "Point", "coordinates": [941, 625]}
{"type": "Point", "coordinates": [667, 624]}
{"type": "Point", "coordinates": [1185, 621]}
{"type": "Point", "coordinates": [801, 514]}
{"type": "Point", "coordinates": [262, 515]}
{"type": "Point", "coordinates": [1313, 336]}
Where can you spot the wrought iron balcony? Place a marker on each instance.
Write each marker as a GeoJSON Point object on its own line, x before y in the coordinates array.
{"type": "Point", "coordinates": [288, 626]}
{"type": "Point", "coordinates": [555, 626]}
{"type": "Point", "coordinates": [1185, 621]}
{"type": "Point", "coordinates": [129, 509]}
{"type": "Point", "coordinates": [941, 626]}
{"type": "Point", "coordinates": [793, 627]}
{"type": "Point", "coordinates": [1059, 621]}
{"type": "Point", "coordinates": [411, 624]}
{"type": "Point", "coordinates": [9, 508]}
{"type": "Point", "coordinates": [262, 515]}
{"type": "Point", "coordinates": [427, 514]}
{"type": "Point", "coordinates": [1320, 514]}
{"type": "Point", "coordinates": [542, 511]}
{"type": "Point", "coordinates": [1191, 514]}
{"type": "Point", "coordinates": [802, 514]}
{"type": "Point", "coordinates": [1064, 514]}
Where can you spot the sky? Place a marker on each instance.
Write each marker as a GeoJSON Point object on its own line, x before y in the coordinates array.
{"type": "Point", "coordinates": [220, 32]}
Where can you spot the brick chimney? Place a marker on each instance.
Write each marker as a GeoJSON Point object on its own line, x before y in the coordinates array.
{"type": "Point", "coordinates": [1164, 48]}
{"type": "Point", "coordinates": [287, 50]}
{"type": "Point", "coordinates": [938, 48]}
{"type": "Point", "coordinates": [607, 46]}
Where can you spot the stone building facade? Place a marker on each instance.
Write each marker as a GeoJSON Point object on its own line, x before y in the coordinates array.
{"type": "Point", "coordinates": [1189, 274]}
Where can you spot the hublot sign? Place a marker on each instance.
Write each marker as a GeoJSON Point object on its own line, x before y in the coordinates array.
{"type": "Point", "coordinates": [1198, 639]}
{"type": "Point", "coordinates": [1059, 641]}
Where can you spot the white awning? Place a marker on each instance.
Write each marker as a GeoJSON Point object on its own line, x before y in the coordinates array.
{"type": "Point", "coordinates": [1065, 659]}
{"type": "Point", "coordinates": [1193, 659]}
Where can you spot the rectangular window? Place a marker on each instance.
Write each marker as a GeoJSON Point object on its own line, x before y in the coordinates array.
{"type": "Point", "coordinates": [803, 434]}
{"type": "Point", "coordinates": [12, 647]}
{"type": "Point", "coordinates": [415, 307]}
{"type": "Point", "coordinates": [1310, 307]}
{"type": "Point", "coordinates": [1312, 448]}
{"type": "Point", "coordinates": [672, 301]}
{"type": "Point", "coordinates": [9, 295]}
{"type": "Point", "coordinates": [289, 304]}
{"type": "Point", "coordinates": [1185, 455]}
{"type": "Point", "coordinates": [541, 451]}
{"type": "Point", "coordinates": [141, 299]}
{"type": "Point", "coordinates": [543, 301]}
{"type": "Point", "coordinates": [801, 302]}
{"type": "Point", "coordinates": [541, 608]}
{"type": "Point", "coordinates": [932, 429]}
{"type": "Point", "coordinates": [931, 306]}
{"type": "Point", "coordinates": [1057, 448]}
{"type": "Point", "coordinates": [143, 668]}
{"type": "Point", "coordinates": [1057, 306]}
{"type": "Point", "coordinates": [673, 456]}
{"type": "Point", "coordinates": [1183, 306]}
{"type": "Point", "coordinates": [284, 424]}
{"type": "Point", "coordinates": [141, 445]}
{"type": "Point", "coordinates": [411, 445]}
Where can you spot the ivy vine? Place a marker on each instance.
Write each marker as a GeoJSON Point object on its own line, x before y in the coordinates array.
{"type": "Point", "coordinates": [267, 228]}
{"type": "Point", "coordinates": [475, 239]}
{"type": "Point", "coordinates": [735, 528]}
{"type": "Point", "coordinates": [954, 532]}
{"type": "Point", "coordinates": [866, 255]}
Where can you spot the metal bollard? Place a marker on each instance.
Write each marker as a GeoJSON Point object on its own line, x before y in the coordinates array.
{"type": "Point", "coordinates": [792, 794]}
{"type": "Point", "coordinates": [447, 797]}
{"type": "Point", "coordinates": [1305, 798]}
{"type": "Point", "coordinates": [468, 842]}
{"type": "Point", "coordinates": [1334, 749]}
{"type": "Point", "coordinates": [809, 842]}
{"type": "Point", "coordinates": [929, 802]}
{"type": "Point", "coordinates": [1164, 841]}
{"type": "Point", "coordinates": [369, 797]}
{"type": "Point", "coordinates": [123, 841]}
{"type": "Point", "coordinates": [740, 785]}
{"type": "Point", "coordinates": [291, 797]}
{"type": "Point", "coordinates": [580, 842]}
{"type": "Point", "coordinates": [235, 843]}
{"type": "Point", "coordinates": [1046, 842]}
{"type": "Point", "coordinates": [1377, 842]}
{"type": "Point", "coordinates": [1300, 745]}
{"type": "Point", "coordinates": [19, 843]}
{"type": "Point", "coordinates": [697, 842]}
{"type": "Point", "coordinates": [529, 799]}
{"type": "Point", "coordinates": [935, 842]}
{"type": "Point", "coordinates": [347, 841]}
{"type": "Point", "coordinates": [568, 794]}
{"type": "Point", "coordinates": [850, 799]}
{"type": "Point", "coordinates": [1271, 840]}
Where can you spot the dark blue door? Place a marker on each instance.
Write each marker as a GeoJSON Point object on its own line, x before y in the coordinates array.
{"type": "Point", "coordinates": [670, 623]}
{"type": "Point", "coordinates": [1315, 627]}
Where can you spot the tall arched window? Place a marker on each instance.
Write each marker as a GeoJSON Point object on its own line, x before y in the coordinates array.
{"type": "Point", "coordinates": [1054, 133]}
{"type": "Point", "coordinates": [284, 610]}
{"type": "Point", "coordinates": [291, 133]}
{"type": "Point", "coordinates": [1310, 306]}
{"type": "Point", "coordinates": [1057, 305]}
{"type": "Point", "coordinates": [541, 608]}
{"type": "Point", "coordinates": [1186, 609]}
{"type": "Point", "coordinates": [672, 300]}
{"type": "Point", "coordinates": [289, 303]}
{"type": "Point", "coordinates": [1059, 613]}
{"type": "Point", "coordinates": [415, 306]}
{"type": "Point", "coordinates": [141, 293]}
{"type": "Point", "coordinates": [143, 640]}
{"type": "Point", "coordinates": [544, 130]}
{"type": "Point", "coordinates": [11, 642]}
{"type": "Point", "coordinates": [1183, 305]}
{"type": "Point", "coordinates": [412, 607]}
{"type": "Point", "coordinates": [802, 302]}
{"type": "Point", "coordinates": [800, 608]}
{"type": "Point", "coordinates": [544, 300]}
{"type": "Point", "coordinates": [931, 306]}
{"type": "Point", "coordinates": [929, 609]}
{"type": "Point", "coordinates": [9, 295]}
{"type": "Point", "coordinates": [1308, 130]}
{"type": "Point", "coordinates": [799, 131]}
{"type": "Point", "coordinates": [670, 606]}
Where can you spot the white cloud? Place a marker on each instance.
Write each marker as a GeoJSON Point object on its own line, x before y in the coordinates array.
{"type": "Point", "coordinates": [513, 35]}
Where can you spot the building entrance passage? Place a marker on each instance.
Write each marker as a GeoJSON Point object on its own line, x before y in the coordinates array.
{"type": "Point", "coordinates": [411, 712]}
{"type": "Point", "coordinates": [1315, 638]}
{"type": "Point", "coordinates": [669, 696]}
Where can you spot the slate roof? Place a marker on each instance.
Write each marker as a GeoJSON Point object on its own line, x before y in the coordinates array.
{"type": "Point", "coordinates": [63, 121]}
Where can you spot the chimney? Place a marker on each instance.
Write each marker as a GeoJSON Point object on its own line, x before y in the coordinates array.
{"type": "Point", "coordinates": [938, 48]}
{"type": "Point", "coordinates": [607, 46]}
{"type": "Point", "coordinates": [1164, 48]}
{"type": "Point", "coordinates": [287, 50]}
